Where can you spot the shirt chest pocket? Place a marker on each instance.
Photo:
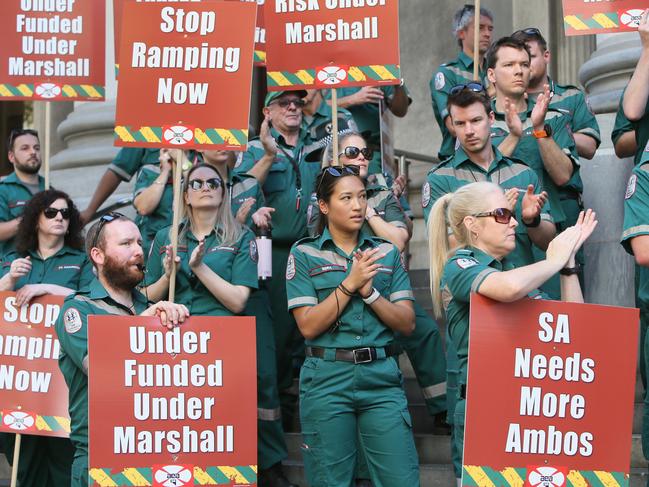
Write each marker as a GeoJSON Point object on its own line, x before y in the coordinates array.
{"type": "Point", "coordinates": [219, 259]}
{"type": "Point", "coordinates": [326, 279]}
{"type": "Point", "coordinates": [67, 275]}
{"type": "Point", "coordinates": [383, 280]}
{"type": "Point", "coordinates": [278, 177]}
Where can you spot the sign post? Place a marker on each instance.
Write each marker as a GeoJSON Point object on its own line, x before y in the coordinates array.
{"type": "Point", "coordinates": [177, 407]}
{"type": "Point", "coordinates": [561, 377]}
{"type": "Point", "coordinates": [52, 51]}
{"type": "Point", "coordinates": [476, 41]}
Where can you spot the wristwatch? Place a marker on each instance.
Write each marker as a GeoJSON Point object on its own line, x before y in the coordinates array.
{"type": "Point", "coordinates": [542, 134]}
{"type": "Point", "coordinates": [570, 271]}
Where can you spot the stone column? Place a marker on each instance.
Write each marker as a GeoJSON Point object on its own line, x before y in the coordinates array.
{"type": "Point", "coordinates": [609, 272]}
{"type": "Point", "coordinates": [88, 135]}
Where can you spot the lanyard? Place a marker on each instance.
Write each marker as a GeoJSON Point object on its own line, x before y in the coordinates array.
{"type": "Point", "coordinates": [298, 176]}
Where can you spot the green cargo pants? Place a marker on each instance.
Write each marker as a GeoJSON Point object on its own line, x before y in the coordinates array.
{"type": "Point", "coordinates": [340, 400]}
{"type": "Point", "coordinates": [80, 472]}
{"type": "Point", "coordinates": [44, 461]}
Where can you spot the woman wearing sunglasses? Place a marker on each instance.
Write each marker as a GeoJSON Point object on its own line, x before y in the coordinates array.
{"type": "Point", "coordinates": [480, 219]}
{"type": "Point", "coordinates": [49, 258]}
{"type": "Point", "coordinates": [350, 294]}
{"type": "Point", "coordinates": [217, 256]}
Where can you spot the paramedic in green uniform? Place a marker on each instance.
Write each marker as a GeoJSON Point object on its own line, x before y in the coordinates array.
{"type": "Point", "coordinates": [386, 219]}
{"type": "Point", "coordinates": [246, 201]}
{"type": "Point", "coordinates": [483, 226]}
{"type": "Point", "coordinates": [276, 159]}
{"type": "Point", "coordinates": [635, 240]}
{"type": "Point", "coordinates": [18, 188]}
{"type": "Point", "coordinates": [316, 118]}
{"type": "Point", "coordinates": [460, 70]}
{"type": "Point", "coordinates": [49, 259]}
{"type": "Point", "coordinates": [350, 294]}
{"type": "Point", "coordinates": [114, 246]}
{"type": "Point", "coordinates": [623, 135]}
{"type": "Point", "coordinates": [217, 256]}
{"type": "Point", "coordinates": [636, 96]}
{"type": "Point", "coordinates": [477, 159]}
{"type": "Point", "coordinates": [567, 99]}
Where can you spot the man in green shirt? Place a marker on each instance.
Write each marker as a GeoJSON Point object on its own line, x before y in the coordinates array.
{"type": "Point", "coordinates": [460, 70]}
{"type": "Point", "coordinates": [277, 160]}
{"type": "Point", "coordinates": [19, 187]}
{"type": "Point", "coordinates": [565, 98]}
{"type": "Point", "coordinates": [114, 246]}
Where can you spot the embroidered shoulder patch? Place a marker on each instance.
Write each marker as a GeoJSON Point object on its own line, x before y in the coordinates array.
{"type": "Point", "coordinates": [425, 195]}
{"type": "Point", "coordinates": [72, 320]}
{"type": "Point", "coordinates": [630, 187]}
{"type": "Point", "coordinates": [290, 268]}
{"type": "Point", "coordinates": [440, 81]}
{"type": "Point", "coordinates": [466, 263]}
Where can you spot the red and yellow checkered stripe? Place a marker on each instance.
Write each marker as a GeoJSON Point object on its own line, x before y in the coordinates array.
{"type": "Point", "coordinates": [598, 21]}
{"type": "Point", "coordinates": [69, 92]}
{"type": "Point", "coordinates": [355, 74]}
{"type": "Point", "coordinates": [202, 136]}
{"type": "Point", "coordinates": [223, 475]}
{"type": "Point", "coordinates": [48, 423]}
{"type": "Point", "coordinates": [475, 476]}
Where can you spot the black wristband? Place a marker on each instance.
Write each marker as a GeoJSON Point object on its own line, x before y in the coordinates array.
{"type": "Point", "coordinates": [345, 291]}
{"type": "Point", "coordinates": [535, 223]}
{"type": "Point", "coordinates": [570, 271]}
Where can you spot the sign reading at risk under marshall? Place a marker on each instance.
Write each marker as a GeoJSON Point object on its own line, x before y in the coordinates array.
{"type": "Point", "coordinates": [52, 50]}
{"type": "Point", "coordinates": [172, 408]}
{"type": "Point", "coordinates": [550, 394]}
{"type": "Point", "coordinates": [331, 43]}
{"type": "Point", "coordinates": [185, 74]}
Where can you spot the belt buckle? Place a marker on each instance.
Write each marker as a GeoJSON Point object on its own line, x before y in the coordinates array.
{"type": "Point", "coordinates": [362, 355]}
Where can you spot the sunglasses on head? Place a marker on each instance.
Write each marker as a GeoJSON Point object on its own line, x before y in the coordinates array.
{"type": "Point", "coordinates": [336, 172]}
{"type": "Point", "coordinates": [530, 31]}
{"type": "Point", "coordinates": [51, 212]}
{"type": "Point", "coordinates": [15, 133]}
{"type": "Point", "coordinates": [473, 86]}
{"type": "Point", "coordinates": [107, 218]}
{"type": "Point", "coordinates": [352, 152]}
{"type": "Point", "coordinates": [211, 183]}
{"type": "Point", "coordinates": [501, 215]}
{"type": "Point", "coordinates": [285, 102]}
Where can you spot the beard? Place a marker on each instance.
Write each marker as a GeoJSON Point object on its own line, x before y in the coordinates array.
{"type": "Point", "coordinates": [121, 275]}
{"type": "Point", "coordinates": [30, 166]}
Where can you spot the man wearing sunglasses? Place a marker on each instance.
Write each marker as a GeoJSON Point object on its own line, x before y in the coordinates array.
{"type": "Point", "coordinates": [478, 160]}
{"type": "Point", "coordinates": [113, 245]}
{"type": "Point", "coordinates": [459, 70]}
{"type": "Point", "coordinates": [565, 98]}
{"type": "Point", "coordinates": [19, 187]}
{"type": "Point", "coordinates": [277, 159]}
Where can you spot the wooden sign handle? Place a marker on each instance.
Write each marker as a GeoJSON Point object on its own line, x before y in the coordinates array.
{"type": "Point", "coordinates": [178, 155]}
{"type": "Point", "coordinates": [47, 145]}
{"type": "Point", "coordinates": [476, 41]}
{"type": "Point", "coordinates": [334, 125]}
{"type": "Point", "coordinates": [14, 466]}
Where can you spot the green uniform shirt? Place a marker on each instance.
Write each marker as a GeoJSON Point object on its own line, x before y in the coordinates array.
{"type": "Point", "coordinates": [281, 189]}
{"type": "Point", "coordinates": [69, 268]}
{"type": "Point", "coordinates": [636, 220]}
{"type": "Point", "coordinates": [570, 101]}
{"type": "Point", "coordinates": [456, 72]}
{"type": "Point", "coordinates": [72, 331]}
{"type": "Point", "coordinates": [527, 150]}
{"type": "Point", "coordinates": [622, 125]}
{"type": "Point", "coordinates": [162, 215]}
{"type": "Point", "coordinates": [463, 274]}
{"type": "Point", "coordinates": [241, 187]}
{"type": "Point", "coordinates": [237, 264]}
{"type": "Point", "coordinates": [459, 171]}
{"type": "Point", "coordinates": [379, 197]}
{"type": "Point", "coordinates": [129, 160]}
{"type": "Point", "coordinates": [641, 128]}
{"type": "Point", "coordinates": [14, 195]}
{"type": "Point", "coordinates": [316, 267]}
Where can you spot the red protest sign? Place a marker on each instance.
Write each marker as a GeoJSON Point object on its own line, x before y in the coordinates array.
{"type": "Point", "coordinates": [33, 393]}
{"type": "Point", "coordinates": [172, 405]}
{"type": "Point", "coordinates": [331, 43]}
{"type": "Point", "coordinates": [540, 382]}
{"type": "Point", "coordinates": [185, 75]}
{"type": "Point", "coordinates": [583, 17]}
{"type": "Point", "coordinates": [53, 50]}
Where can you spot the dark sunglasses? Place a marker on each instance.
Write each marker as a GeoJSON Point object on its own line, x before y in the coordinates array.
{"type": "Point", "coordinates": [352, 152]}
{"type": "Point", "coordinates": [501, 215]}
{"type": "Point", "coordinates": [51, 212]}
{"type": "Point", "coordinates": [107, 218]}
{"type": "Point", "coordinates": [530, 31]}
{"type": "Point", "coordinates": [212, 184]}
{"type": "Point", "coordinates": [473, 86]}
{"type": "Point", "coordinates": [336, 172]}
{"type": "Point", "coordinates": [285, 102]}
{"type": "Point", "coordinates": [15, 133]}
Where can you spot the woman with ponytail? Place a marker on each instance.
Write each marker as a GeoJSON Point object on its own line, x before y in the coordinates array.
{"type": "Point", "coordinates": [478, 219]}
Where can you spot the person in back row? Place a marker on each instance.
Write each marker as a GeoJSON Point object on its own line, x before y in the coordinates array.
{"type": "Point", "coordinates": [49, 258]}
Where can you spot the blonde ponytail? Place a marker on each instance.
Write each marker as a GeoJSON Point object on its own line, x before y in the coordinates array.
{"type": "Point", "coordinates": [438, 249]}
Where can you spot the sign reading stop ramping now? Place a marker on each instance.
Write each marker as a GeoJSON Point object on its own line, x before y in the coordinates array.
{"type": "Point", "coordinates": [52, 50]}
{"type": "Point", "coordinates": [550, 393]}
{"type": "Point", "coordinates": [583, 17]}
{"type": "Point", "coordinates": [185, 74]}
{"type": "Point", "coordinates": [33, 393]}
{"type": "Point", "coordinates": [172, 406]}
{"type": "Point", "coordinates": [331, 43]}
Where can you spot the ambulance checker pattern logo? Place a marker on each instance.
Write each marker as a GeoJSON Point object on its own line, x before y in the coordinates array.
{"type": "Point", "coordinates": [545, 477]}
{"type": "Point", "coordinates": [47, 90]}
{"type": "Point", "coordinates": [631, 17]}
{"type": "Point", "coordinates": [18, 420]}
{"type": "Point", "coordinates": [177, 135]}
{"type": "Point", "coordinates": [173, 475]}
{"type": "Point", "coordinates": [331, 75]}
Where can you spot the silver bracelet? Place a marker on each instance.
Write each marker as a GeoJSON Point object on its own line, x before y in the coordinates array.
{"type": "Point", "coordinates": [372, 297]}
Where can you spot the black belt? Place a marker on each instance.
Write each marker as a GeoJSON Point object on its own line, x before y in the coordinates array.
{"type": "Point", "coordinates": [462, 391]}
{"type": "Point", "coordinates": [354, 355]}
{"type": "Point", "coordinates": [570, 194]}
